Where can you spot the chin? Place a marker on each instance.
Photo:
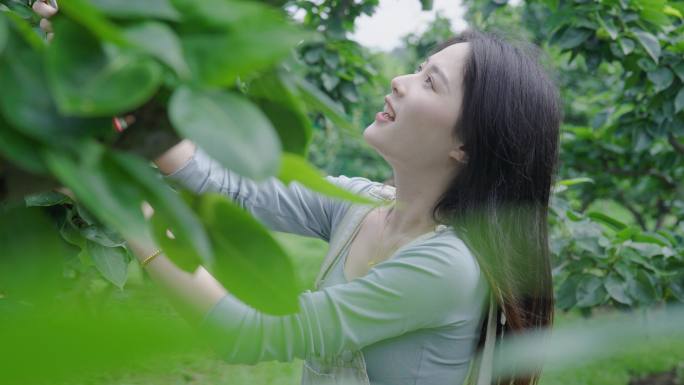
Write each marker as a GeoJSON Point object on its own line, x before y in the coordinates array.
{"type": "Point", "coordinates": [374, 139]}
{"type": "Point", "coordinates": [370, 135]}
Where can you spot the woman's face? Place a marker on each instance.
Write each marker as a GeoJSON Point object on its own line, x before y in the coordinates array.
{"type": "Point", "coordinates": [426, 105]}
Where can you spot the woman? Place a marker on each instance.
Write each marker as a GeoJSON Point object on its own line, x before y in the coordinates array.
{"type": "Point", "coordinates": [407, 291]}
{"type": "Point", "coordinates": [472, 138]}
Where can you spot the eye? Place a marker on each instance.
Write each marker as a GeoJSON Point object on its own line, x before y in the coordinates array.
{"type": "Point", "coordinates": [428, 79]}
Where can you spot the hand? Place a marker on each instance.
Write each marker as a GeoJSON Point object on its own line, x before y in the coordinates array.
{"type": "Point", "coordinates": [148, 211]}
{"type": "Point", "coordinates": [66, 191]}
{"type": "Point", "coordinates": [46, 9]}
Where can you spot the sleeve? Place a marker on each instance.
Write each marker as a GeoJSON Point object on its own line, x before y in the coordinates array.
{"type": "Point", "coordinates": [421, 287]}
{"type": "Point", "coordinates": [289, 208]}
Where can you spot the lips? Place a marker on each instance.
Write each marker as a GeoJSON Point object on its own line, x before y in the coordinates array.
{"type": "Point", "coordinates": [389, 109]}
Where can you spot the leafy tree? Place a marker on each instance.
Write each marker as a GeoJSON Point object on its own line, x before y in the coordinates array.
{"type": "Point", "coordinates": [619, 70]}
{"type": "Point", "coordinates": [177, 69]}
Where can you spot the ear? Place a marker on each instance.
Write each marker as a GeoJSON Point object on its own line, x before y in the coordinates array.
{"type": "Point", "coordinates": [459, 154]}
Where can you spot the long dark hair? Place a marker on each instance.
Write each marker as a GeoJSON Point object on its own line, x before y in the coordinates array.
{"type": "Point", "coordinates": [498, 203]}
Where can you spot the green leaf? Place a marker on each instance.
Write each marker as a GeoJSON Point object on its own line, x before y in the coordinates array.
{"type": "Point", "coordinates": [248, 261]}
{"type": "Point", "coordinates": [226, 14]}
{"type": "Point", "coordinates": [4, 32]}
{"type": "Point", "coordinates": [18, 8]}
{"type": "Point", "coordinates": [103, 188]}
{"type": "Point", "coordinates": [70, 232]}
{"type": "Point", "coordinates": [349, 92]}
{"type": "Point", "coordinates": [180, 253]}
{"type": "Point", "coordinates": [617, 289]}
{"type": "Point", "coordinates": [567, 293]}
{"type": "Point", "coordinates": [656, 239]}
{"type": "Point", "coordinates": [296, 168]}
{"type": "Point", "coordinates": [20, 149]}
{"type": "Point", "coordinates": [575, 181]}
{"type": "Point", "coordinates": [319, 101]}
{"type": "Point", "coordinates": [87, 82]}
{"type": "Point", "coordinates": [253, 37]}
{"type": "Point", "coordinates": [218, 59]}
{"type": "Point", "coordinates": [647, 249]}
{"type": "Point", "coordinates": [627, 233]}
{"type": "Point", "coordinates": [83, 12]}
{"type": "Point", "coordinates": [607, 220]}
{"type": "Point", "coordinates": [679, 70]}
{"type": "Point", "coordinates": [642, 288]}
{"type": "Point", "coordinates": [274, 93]}
{"type": "Point", "coordinates": [649, 42]}
{"type": "Point", "coordinates": [191, 244]}
{"type": "Point", "coordinates": [679, 100]}
{"type": "Point", "coordinates": [590, 291]}
{"type": "Point", "coordinates": [102, 236]}
{"type": "Point", "coordinates": [111, 262]}
{"type": "Point", "coordinates": [662, 78]}
{"type": "Point", "coordinates": [136, 9]}
{"type": "Point", "coordinates": [626, 44]}
{"type": "Point", "coordinates": [30, 109]}
{"type": "Point", "coordinates": [23, 28]}
{"type": "Point", "coordinates": [573, 215]}
{"type": "Point", "coordinates": [32, 257]}
{"type": "Point", "coordinates": [609, 26]}
{"type": "Point", "coordinates": [652, 11]}
{"type": "Point", "coordinates": [426, 5]}
{"type": "Point", "coordinates": [572, 37]}
{"type": "Point", "coordinates": [229, 128]}
{"type": "Point", "coordinates": [672, 11]}
{"type": "Point", "coordinates": [86, 215]}
{"type": "Point", "coordinates": [677, 286]}
{"type": "Point", "coordinates": [158, 40]}
{"type": "Point", "coordinates": [329, 81]}
{"type": "Point", "coordinates": [48, 198]}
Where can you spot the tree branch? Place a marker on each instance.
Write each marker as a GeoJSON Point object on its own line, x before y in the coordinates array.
{"type": "Point", "coordinates": [637, 215]}
{"type": "Point", "coordinates": [676, 144]}
{"type": "Point", "coordinates": [662, 211]}
{"type": "Point", "coordinates": [16, 183]}
{"type": "Point", "coordinates": [149, 136]}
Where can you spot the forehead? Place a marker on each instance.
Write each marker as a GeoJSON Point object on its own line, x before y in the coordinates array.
{"type": "Point", "coordinates": [453, 53]}
{"type": "Point", "coordinates": [451, 60]}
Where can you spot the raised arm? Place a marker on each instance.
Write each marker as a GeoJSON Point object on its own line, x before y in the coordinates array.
{"type": "Point", "coordinates": [430, 285]}
{"type": "Point", "coordinates": [289, 208]}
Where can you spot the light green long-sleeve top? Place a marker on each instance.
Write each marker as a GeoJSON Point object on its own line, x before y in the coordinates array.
{"type": "Point", "coordinates": [416, 316]}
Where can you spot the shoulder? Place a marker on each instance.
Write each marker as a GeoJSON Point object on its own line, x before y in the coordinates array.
{"type": "Point", "coordinates": [358, 184]}
{"type": "Point", "coordinates": [438, 278]}
{"type": "Point", "coordinates": [448, 258]}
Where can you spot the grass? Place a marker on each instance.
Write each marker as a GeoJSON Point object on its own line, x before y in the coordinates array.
{"type": "Point", "coordinates": [659, 355]}
{"type": "Point", "coordinates": [202, 367]}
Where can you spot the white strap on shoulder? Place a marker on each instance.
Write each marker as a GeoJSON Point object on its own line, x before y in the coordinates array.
{"type": "Point", "coordinates": [344, 230]}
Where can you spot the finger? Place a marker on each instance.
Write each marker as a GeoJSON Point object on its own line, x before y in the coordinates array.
{"type": "Point", "coordinates": [147, 210]}
{"type": "Point", "coordinates": [66, 191]}
{"type": "Point", "coordinates": [45, 25]}
{"type": "Point", "coordinates": [43, 9]}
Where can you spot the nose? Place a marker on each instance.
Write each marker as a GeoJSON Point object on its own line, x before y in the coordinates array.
{"type": "Point", "coordinates": [397, 88]}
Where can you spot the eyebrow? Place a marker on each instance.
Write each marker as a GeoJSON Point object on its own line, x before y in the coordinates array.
{"type": "Point", "coordinates": [439, 72]}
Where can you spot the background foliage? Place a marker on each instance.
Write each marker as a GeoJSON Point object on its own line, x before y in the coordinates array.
{"type": "Point", "coordinates": [289, 99]}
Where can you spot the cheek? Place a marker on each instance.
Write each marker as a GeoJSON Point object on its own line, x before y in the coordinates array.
{"type": "Point", "coordinates": [434, 129]}
{"type": "Point", "coordinates": [432, 115]}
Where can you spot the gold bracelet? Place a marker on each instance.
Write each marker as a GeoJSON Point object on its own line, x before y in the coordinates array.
{"type": "Point", "coordinates": [151, 257]}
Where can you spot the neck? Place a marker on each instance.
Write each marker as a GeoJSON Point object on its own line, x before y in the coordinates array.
{"type": "Point", "coordinates": [415, 197]}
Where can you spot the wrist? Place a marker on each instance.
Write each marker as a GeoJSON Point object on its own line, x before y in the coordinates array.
{"type": "Point", "coordinates": [142, 250]}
